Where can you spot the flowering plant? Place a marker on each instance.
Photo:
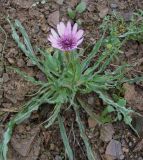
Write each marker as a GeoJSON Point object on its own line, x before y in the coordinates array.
{"type": "Point", "coordinates": [68, 76]}
{"type": "Point", "coordinates": [68, 38]}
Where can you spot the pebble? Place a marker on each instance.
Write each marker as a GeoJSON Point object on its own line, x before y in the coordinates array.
{"type": "Point", "coordinates": [36, 29]}
{"type": "Point", "coordinates": [113, 5]}
{"type": "Point", "coordinates": [60, 2]}
{"type": "Point", "coordinates": [130, 144]}
{"type": "Point", "coordinates": [103, 12]}
{"type": "Point", "coordinates": [124, 149]}
{"type": "Point", "coordinates": [11, 60]}
{"type": "Point", "coordinates": [44, 28]}
{"type": "Point", "coordinates": [91, 123]}
{"type": "Point", "coordinates": [106, 132]}
{"type": "Point", "coordinates": [114, 149]}
{"type": "Point", "coordinates": [52, 146]}
{"type": "Point", "coordinates": [20, 63]}
{"type": "Point", "coordinates": [91, 100]}
{"type": "Point", "coordinates": [122, 157]}
{"type": "Point", "coordinates": [53, 18]}
{"type": "Point", "coordinates": [5, 77]}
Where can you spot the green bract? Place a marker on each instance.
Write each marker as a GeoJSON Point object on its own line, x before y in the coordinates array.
{"type": "Point", "coordinates": [67, 77]}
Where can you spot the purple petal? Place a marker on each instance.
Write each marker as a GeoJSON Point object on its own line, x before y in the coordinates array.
{"type": "Point", "coordinates": [61, 28]}
{"type": "Point", "coordinates": [79, 34]}
{"type": "Point", "coordinates": [74, 29]}
{"type": "Point", "coordinates": [52, 39]}
{"type": "Point", "coordinates": [68, 28]}
{"type": "Point", "coordinates": [79, 42]}
{"type": "Point", "coordinates": [55, 35]}
{"type": "Point", "coordinates": [56, 46]}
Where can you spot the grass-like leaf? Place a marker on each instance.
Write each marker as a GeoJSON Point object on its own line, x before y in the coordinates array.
{"type": "Point", "coordinates": [92, 54]}
{"type": "Point", "coordinates": [90, 153]}
{"type": "Point", "coordinates": [65, 138]}
{"type": "Point", "coordinates": [27, 48]}
{"type": "Point", "coordinates": [26, 76]}
{"type": "Point", "coordinates": [54, 116]}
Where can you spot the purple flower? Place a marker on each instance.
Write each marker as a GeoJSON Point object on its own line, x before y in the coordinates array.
{"type": "Point", "coordinates": [67, 38]}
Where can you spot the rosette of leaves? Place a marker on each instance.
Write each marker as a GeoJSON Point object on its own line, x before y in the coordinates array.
{"type": "Point", "coordinates": [67, 77]}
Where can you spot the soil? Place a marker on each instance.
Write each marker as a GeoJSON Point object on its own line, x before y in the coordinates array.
{"type": "Point", "coordinates": [30, 140]}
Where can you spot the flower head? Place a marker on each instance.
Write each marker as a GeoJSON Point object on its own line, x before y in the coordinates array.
{"type": "Point", "coordinates": [67, 38]}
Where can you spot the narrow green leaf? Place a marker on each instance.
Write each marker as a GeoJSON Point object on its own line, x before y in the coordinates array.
{"type": "Point", "coordinates": [26, 76]}
{"type": "Point", "coordinates": [65, 139]}
{"type": "Point", "coordinates": [54, 116]}
{"type": "Point", "coordinates": [27, 47]}
{"type": "Point", "coordinates": [94, 51]}
{"type": "Point", "coordinates": [81, 7]}
{"type": "Point", "coordinates": [90, 153]}
{"type": "Point", "coordinates": [71, 13]}
{"type": "Point", "coordinates": [25, 113]}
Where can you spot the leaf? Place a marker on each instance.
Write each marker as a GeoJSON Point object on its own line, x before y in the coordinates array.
{"type": "Point", "coordinates": [81, 7]}
{"type": "Point", "coordinates": [105, 117]}
{"type": "Point", "coordinates": [71, 13]}
{"type": "Point", "coordinates": [26, 76]}
{"type": "Point", "coordinates": [52, 118]}
{"type": "Point", "coordinates": [110, 109]}
{"type": "Point", "coordinates": [90, 153]}
{"type": "Point", "coordinates": [25, 113]}
{"type": "Point", "coordinates": [6, 139]}
{"type": "Point", "coordinates": [27, 47]}
{"type": "Point", "coordinates": [94, 51]}
{"type": "Point", "coordinates": [122, 102]}
{"type": "Point", "coordinates": [65, 138]}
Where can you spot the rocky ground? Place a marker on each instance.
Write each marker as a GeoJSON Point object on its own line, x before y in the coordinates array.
{"type": "Point", "coordinates": [30, 140]}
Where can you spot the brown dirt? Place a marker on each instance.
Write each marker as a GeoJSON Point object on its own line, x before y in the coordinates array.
{"type": "Point", "coordinates": [31, 141]}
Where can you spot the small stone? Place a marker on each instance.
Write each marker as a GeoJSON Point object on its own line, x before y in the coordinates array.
{"type": "Point", "coordinates": [28, 128]}
{"type": "Point", "coordinates": [5, 77]}
{"type": "Point", "coordinates": [44, 28]}
{"type": "Point", "coordinates": [114, 149]}
{"type": "Point", "coordinates": [11, 60]}
{"type": "Point", "coordinates": [122, 157]}
{"type": "Point", "coordinates": [124, 149]}
{"type": "Point", "coordinates": [106, 132]}
{"type": "Point", "coordinates": [53, 18]}
{"type": "Point", "coordinates": [60, 2]}
{"type": "Point", "coordinates": [36, 29]}
{"type": "Point", "coordinates": [113, 5]}
{"type": "Point", "coordinates": [91, 100]}
{"type": "Point", "coordinates": [103, 12]}
{"type": "Point", "coordinates": [130, 144]}
{"type": "Point", "coordinates": [91, 123]}
{"type": "Point", "coordinates": [43, 1]}
{"type": "Point", "coordinates": [58, 158]}
{"type": "Point", "coordinates": [20, 63]}
{"type": "Point", "coordinates": [52, 147]}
